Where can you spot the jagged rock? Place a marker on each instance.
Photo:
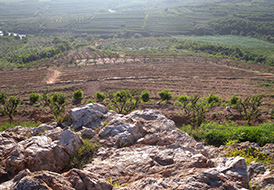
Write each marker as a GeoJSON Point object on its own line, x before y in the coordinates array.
{"type": "Point", "coordinates": [254, 169]}
{"type": "Point", "coordinates": [72, 180]}
{"type": "Point", "coordinates": [27, 180]}
{"type": "Point", "coordinates": [39, 153]}
{"type": "Point", "coordinates": [120, 134]}
{"type": "Point", "coordinates": [87, 133]}
{"type": "Point", "coordinates": [17, 133]}
{"type": "Point", "coordinates": [54, 134]}
{"type": "Point", "coordinates": [148, 127]}
{"type": "Point", "coordinates": [70, 141]}
{"type": "Point", "coordinates": [263, 181]}
{"type": "Point", "coordinates": [86, 180]}
{"type": "Point", "coordinates": [169, 167]}
{"type": "Point", "coordinates": [141, 150]}
{"type": "Point", "coordinates": [41, 128]}
{"type": "Point", "coordinates": [90, 115]}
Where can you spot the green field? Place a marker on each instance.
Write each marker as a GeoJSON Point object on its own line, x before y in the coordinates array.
{"type": "Point", "coordinates": [150, 18]}
{"type": "Point", "coordinates": [251, 45]}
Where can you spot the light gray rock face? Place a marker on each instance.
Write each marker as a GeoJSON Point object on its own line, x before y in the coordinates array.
{"type": "Point", "coordinates": [263, 181]}
{"type": "Point", "coordinates": [41, 128]}
{"type": "Point", "coordinates": [72, 180]}
{"type": "Point", "coordinates": [87, 133]}
{"type": "Point", "coordinates": [51, 152]}
{"type": "Point", "coordinates": [169, 167]}
{"type": "Point", "coordinates": [90, 115]}
{"type": "Point", "coordinates": [148, 127]}
{"type": "Point", "coordinates": [81, 180]}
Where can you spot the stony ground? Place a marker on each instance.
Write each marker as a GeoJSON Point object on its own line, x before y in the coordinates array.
{"type": "Point", "coordinates": [141, 150]}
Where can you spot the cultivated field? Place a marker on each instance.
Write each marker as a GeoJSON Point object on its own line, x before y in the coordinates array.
{"type": "Point", "coordinates": [181, 75]}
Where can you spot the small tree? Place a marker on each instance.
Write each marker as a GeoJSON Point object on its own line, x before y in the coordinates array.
{"type": "Point", "coordinates": [10, 105]}
{"type": "Point", "coordinates": [182, 101]}
{"type": "Point", "coordinates": [34, 98]}
{"type": "Point", "coordinates": [145, 96]}
{"type": "Point", "coordinates": [57, 103]}
{"type": "Point", "coordinates": [3, 97]}
{"type": "Point", "coordinates": [212, 100]}
{"type": "Point", "coordinates": [100, 96]}
{"type": "Point", "coordinates": [249, 108]}
{"type": "Point", "coordinates": [124, 101]}
{"type": "Point", "coordinates": [165, 95]}
{"type": "Point", "coordinates": [78, 95]}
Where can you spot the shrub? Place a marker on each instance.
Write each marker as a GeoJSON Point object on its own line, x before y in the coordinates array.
{"type": "Point", "coordinates": [251, 155]}
{"type": "Point", "coordinates": [3, 97]}
{"type": "Point", "coordinates": [100, 96]}
{"type": "Point", "coordinates": [83, 154]}
{"type": "Point", "coordinates": [34, 98]}
{"type": "Point", "coordinates": [78, 95]}
{"type": "Point", "coordinates": [182, 101]}
{"type": "Point", "coordinates": [91, 101]}
{"type": "Point", "coordinates": [57, 103]}
{"type": "Point", "coordinates": [145, 96]}
{"type": "Point", "coordinates": [165, 95]}
{"type": "Point", "coordinates": [123, 101]}
{"type": "Point", "coordinates": [271, 113]}
{"type": "Point", "coordinates": [248, 108]}
{"type": "Point", "coordinates": [10, 105]}
{"type": "Point", "coordinates": [213, 100]}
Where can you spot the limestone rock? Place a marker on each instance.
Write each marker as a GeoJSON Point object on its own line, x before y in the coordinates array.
{"type": "Point", "coordinates": [86, 180]}
{"type": "Point", "coordinates": [41, 128]}
{"type": "Point", "coordinates": [38, 153]}
{"type": "Point", "coordinates": [263, 181]}
{"type": "Point", "coordinates": [89, 115]}
{"type": "Point", "coordinates": [148, 127]}
{"type": "Point", "coordinates": [168, 167]}
{"type": "Point", "coordinates": [87, 133]}
{"type": "Point", "coordinates": [46, 180]}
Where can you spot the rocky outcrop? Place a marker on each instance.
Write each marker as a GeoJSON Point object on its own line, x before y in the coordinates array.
{"type": "Point", "coordinates": [141, 150]}
{"type": "Point", "coordinates": [89, 115]}
{"type": "Point", "coordinates": [50, 151]}
{"type": "Point", "coordinates": [47, 180]}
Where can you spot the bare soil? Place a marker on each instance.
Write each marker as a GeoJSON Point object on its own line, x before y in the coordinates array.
{"type": "Point", "coordinates": [181, 75]}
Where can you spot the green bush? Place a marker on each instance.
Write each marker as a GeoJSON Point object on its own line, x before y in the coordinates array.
{"type": "Point", "coordinates": [251, 155]}
{"type": "Point", "coordinates": [165, 95]}
{"type": "Point", "coordinates": [78, 95]}
{"type": "Point", "coordinates": [3, 97]}
{"type": "Point", "coordinates": [123, 101]}
{"type": "Point", "coordinates": [249, 108]}
{"type": "Point", "coordinates": [57, 103]}
{"type": "Point", "coordinates": [145, 96]}
{"type": "Point", "coordinates": [213, 100]}
{"type": "Point", "coordinates": [83, 154]}
{"type": "Point", "coordinates": [9, 105]}
{"type": "Point", "coordinates": [182, 101]}
{"type": "Point", "coordinates": [91, 101]}
{"type": "Point", "coordinates": [221, 134]}
{"type": "Point", "coordinates": [100, 96]}
{"type": "Point", "coordinates": [34, 98]}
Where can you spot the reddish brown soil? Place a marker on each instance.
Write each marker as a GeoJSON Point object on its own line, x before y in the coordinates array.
{"type": "Point", "coordinates": [184, 75]}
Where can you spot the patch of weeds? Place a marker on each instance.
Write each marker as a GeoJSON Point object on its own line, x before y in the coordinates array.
{"type": "Point", "coordinates": [84, 154]}
{"type": "Point", "coordinates": [105, 123]}
{"type": "Point", "coordinates": [251, 155]}
{"type": "Point", "coordinates": [220, 134]}
{"type": "Point", "coordinates": [91, 101]}
{"type": "Point", "coordinates": [115, 184]}
{"type": "Point", "coordinates": [8, 125]}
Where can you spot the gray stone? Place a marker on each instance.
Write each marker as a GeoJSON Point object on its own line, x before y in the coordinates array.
{"type": "Point", "coordinates": [90, 115]}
